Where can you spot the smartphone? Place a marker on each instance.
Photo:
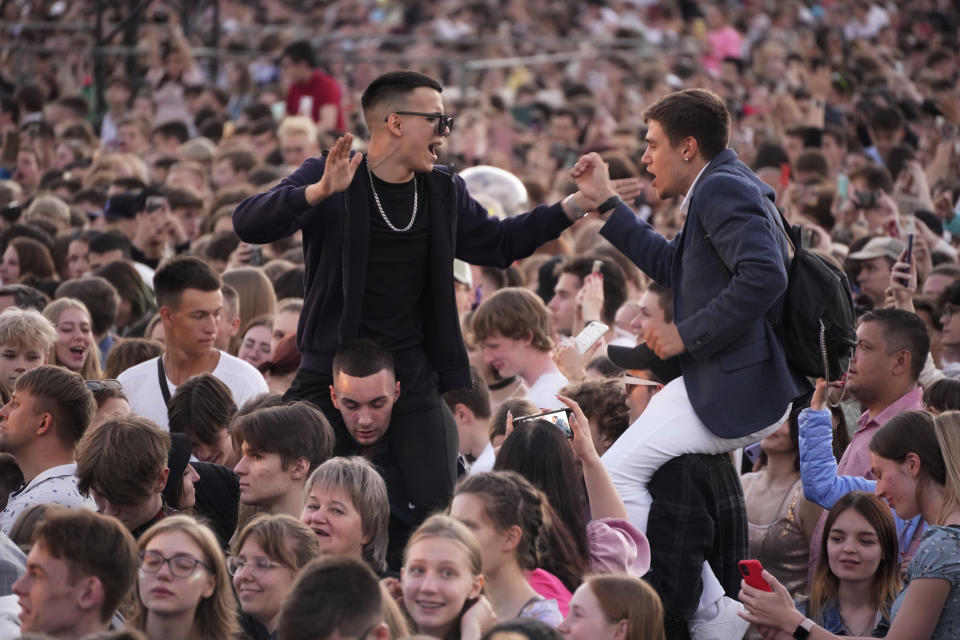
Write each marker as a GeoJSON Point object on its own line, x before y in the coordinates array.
{"type": "Point", "coordinates": [597, 266]}
{"type": "Point", "coordinates": [752, 452]}
{"type": "Point", "coordinates": [843, 185]}
{"type": "Point", "coordinates": [558, 417]}
{"type": "Point", "coordinates": [908, 258]}
{"type": "Point", "coordinates": [590, 334]}
{"type": "Point", "coordinates": [866, 199]}
{"type": "Point", "coordinates": [256, 256]}
{"type": "Point", "coordinates": [785, 174]}
{"type": "Point", "coordinates": [752, 572]}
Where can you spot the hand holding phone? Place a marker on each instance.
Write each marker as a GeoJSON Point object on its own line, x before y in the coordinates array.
{"type": "Point", "coordinates": [560, 418]}
{"type": "Point", "coordinates": [752, 572]}
{"type": "Point", "coordinates": [590, 334]}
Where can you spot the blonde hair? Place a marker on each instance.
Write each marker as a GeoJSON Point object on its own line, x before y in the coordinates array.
{"type": "Point", "coordinates": [445, 527]}
{"type": "Point", "coordinates": [48, 207]}
{"type": "Point", "coordinates": [216, 616]}
{"type": "Point", "coordinates": [27, 329]}
{"type": "Point", "coordinates": [366, 489]}
{"type": "Point", "coordinates": [255, 297]}
{"type": "Point", "coordinates": [297, 125]}
{"type": "Point", "coordinates": [91, 363]}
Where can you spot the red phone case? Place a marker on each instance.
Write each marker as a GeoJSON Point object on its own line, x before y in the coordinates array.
{"type": "Point", "coordinates": [752, 572]}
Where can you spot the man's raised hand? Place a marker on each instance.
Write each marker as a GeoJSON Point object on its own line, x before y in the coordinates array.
{"type": "Point", "coordinates": [338, 172]}
{"type": "Point", "coordinates": [593, 178]}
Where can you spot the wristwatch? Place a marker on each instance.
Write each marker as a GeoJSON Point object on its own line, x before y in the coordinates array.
{"type": "Point", "coordinates": [571, 203]}
{"type": "Point", "coordinates": [609, 204]}
{"type": "Point", "coordinates": [802, 632]}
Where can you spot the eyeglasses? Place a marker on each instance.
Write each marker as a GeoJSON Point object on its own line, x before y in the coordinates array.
{"type": "Point", "coordinates": [181, 565]}
{"type": "Point", "coordinates": [258, 566]}
{"type": "Point", "coordinates": [444, 122]}
{"type": "Point", "coordinates": [949, 310]}
{"type": "Point", "coordinates": [100, 385]}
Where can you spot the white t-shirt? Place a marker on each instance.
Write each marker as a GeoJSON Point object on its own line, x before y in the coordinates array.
{"type": "Point", "coordinates": [543, 392]}
{"type": "Point", "coordinates": [484, 461]}
{"type": "Point", "coordinates": [142, 386]}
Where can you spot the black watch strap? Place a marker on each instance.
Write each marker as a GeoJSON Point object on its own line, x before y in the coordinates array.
{"type": "Point", "coordinates": [609, 204]}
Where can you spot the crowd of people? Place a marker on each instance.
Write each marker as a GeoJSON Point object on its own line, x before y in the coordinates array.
{"type": "Point", "coordinates": [344, 338]}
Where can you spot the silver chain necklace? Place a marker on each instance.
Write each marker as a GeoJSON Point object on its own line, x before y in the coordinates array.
{"type": "Point", "coordinates": [383, 214]}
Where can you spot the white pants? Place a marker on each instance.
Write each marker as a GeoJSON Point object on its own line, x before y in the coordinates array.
{"type": "Point", "coordinates": [668, 427]}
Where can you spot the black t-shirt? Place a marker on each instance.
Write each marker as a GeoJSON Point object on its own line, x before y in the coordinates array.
{"type": "Point", "coordinates": [397, 274]}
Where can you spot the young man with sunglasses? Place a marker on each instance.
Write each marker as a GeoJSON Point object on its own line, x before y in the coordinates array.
{"type": "Point", "coordinates": [48, 412]}
{"type": "Point", "coordinates": [380, 232]}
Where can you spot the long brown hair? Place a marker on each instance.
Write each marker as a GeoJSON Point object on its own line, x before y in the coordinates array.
{"type": "Point", "coordinates": [625, 597]}
{"type": "Point", "coordinates": [216, 616]}
{"type": "Point", "coordinates": [915, 432]}
{"type": "Point", "coordinates": [886, 581]}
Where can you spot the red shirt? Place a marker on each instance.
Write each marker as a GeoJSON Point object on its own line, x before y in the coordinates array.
{"type": "Point", "coordinates": [323, 89]}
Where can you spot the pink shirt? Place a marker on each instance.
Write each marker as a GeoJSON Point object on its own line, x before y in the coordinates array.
{"type": "Point", "coordinates": [549, 586]}
{"type": "Point", "coordinates": [722, 43]}
{"type": "Point", "coordinates": [856, 459]}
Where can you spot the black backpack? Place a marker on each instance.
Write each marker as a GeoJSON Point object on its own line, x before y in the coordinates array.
{"type": "Point", "coordinates": [817, 326]}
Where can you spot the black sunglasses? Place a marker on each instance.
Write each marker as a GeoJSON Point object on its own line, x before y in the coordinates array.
{"type": "Point", "coordinates": [444, 122]}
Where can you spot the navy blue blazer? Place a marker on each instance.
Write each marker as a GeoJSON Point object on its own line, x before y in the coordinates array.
{"type": "Point", "coordinates": [728, 272]}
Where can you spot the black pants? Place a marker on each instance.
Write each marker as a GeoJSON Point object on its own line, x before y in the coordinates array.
{"type": "Point", "coordinates": [422, 439]}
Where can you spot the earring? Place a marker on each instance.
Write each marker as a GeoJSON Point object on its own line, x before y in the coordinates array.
{"type": "Point", "coordinates": [685, 159]}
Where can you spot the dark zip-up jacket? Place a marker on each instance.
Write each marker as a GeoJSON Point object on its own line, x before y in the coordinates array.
{"type": "Point", "coordinates": [336, 234]}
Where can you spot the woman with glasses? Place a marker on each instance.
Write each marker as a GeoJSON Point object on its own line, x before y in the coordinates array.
{"type": "Point", "coordinates": [183, 589]}
{"type": "Point", "coordinates": [267, 555]}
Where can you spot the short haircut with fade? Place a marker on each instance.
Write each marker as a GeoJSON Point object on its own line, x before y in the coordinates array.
{"type": "Point", "coordinates": [696, 113]}
{"type": "Point", "coordinates": [92, 544]}
{"type": "Point", "coordinates": [296, 430]}
{"type": "Point", "coordinates": [394, 86]}
{"type": "Point", "coordinates": [201, 407]}
{"type": "Point", "coordinates": [333, 595]}
{"type": "Point", "coordinates": [26, 329]}
{"type": "Point", "coordinates": [476, 397]}
{"type": "Point", "coordinates": [665, 298]}
{"type": "Point", "coordinates": [361, 358]}
{"type": "Point", "coordinates": [64, 395]}
{"type": "Point", "coordinates": [514, 313]}
{"type": "Point", "coordinates": [182, 273]}
{"type": "Point", "coordinates": [903, 330]}
{"type": "Point", "coordinates": [110, 241]}
{"type": "Point", "coordinates": [122, 459]}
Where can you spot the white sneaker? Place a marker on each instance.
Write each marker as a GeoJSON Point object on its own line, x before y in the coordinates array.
{"type": "Point", "coordinates": [719, 621]}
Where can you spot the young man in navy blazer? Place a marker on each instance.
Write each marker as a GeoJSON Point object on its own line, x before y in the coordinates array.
{"type": "Point", "coordinates": [728, 273]}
